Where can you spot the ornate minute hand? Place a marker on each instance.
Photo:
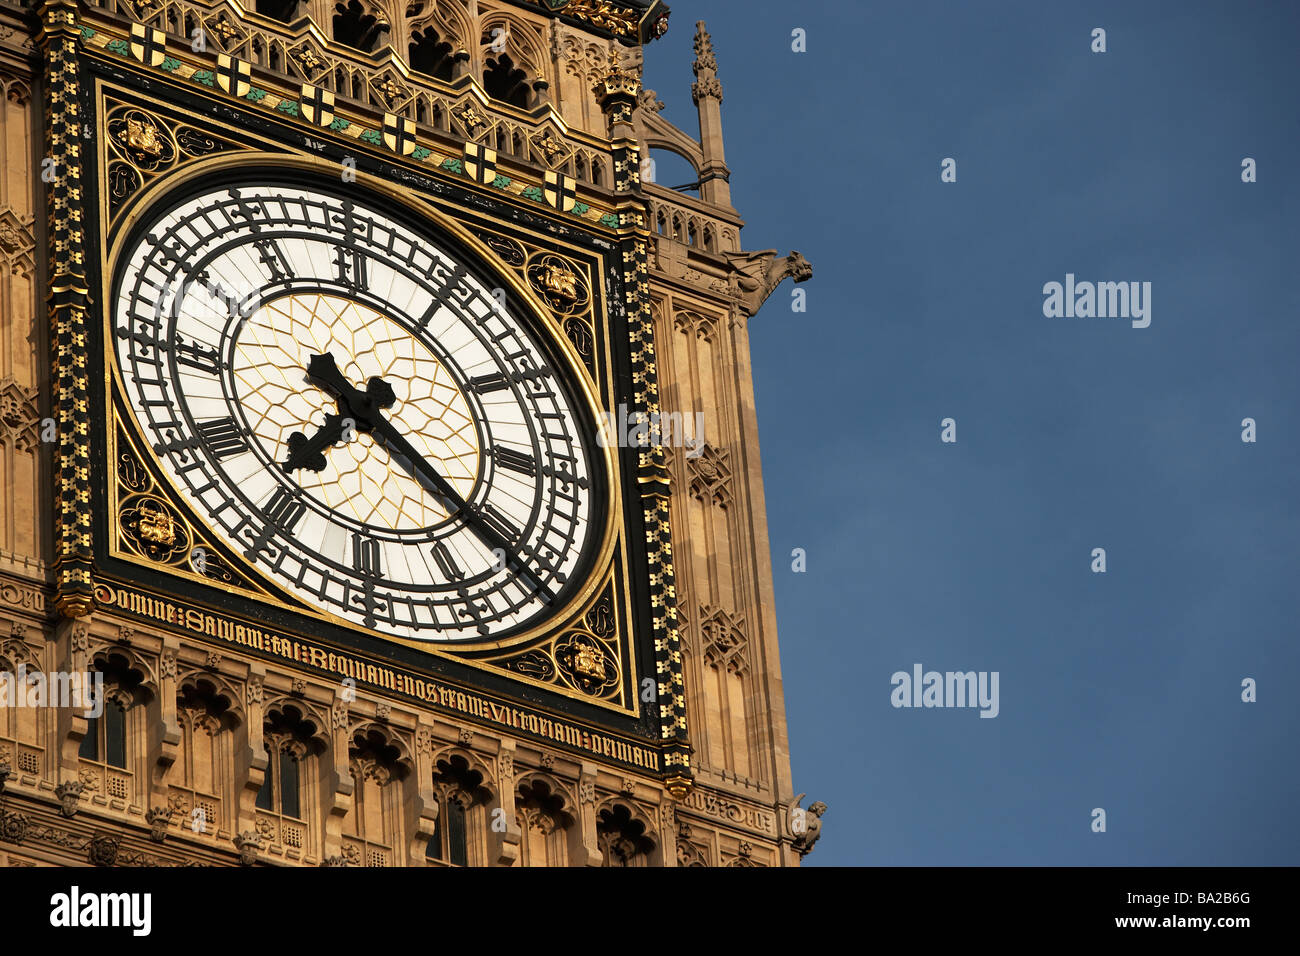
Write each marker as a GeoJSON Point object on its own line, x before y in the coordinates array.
{"type": "Point", "coordinates": [403, 451]}
{"type": "Point", "coordinates": [365, 409]}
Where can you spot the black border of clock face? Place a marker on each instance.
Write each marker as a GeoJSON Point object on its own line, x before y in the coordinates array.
{"type": "Point", "coordinates": [531, 569]}
{"type": "Point", "coordinates": [259, 130]}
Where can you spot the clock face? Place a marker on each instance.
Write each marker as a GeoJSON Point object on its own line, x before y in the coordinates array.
{"type": "Point", "coordinates": [352, 408]}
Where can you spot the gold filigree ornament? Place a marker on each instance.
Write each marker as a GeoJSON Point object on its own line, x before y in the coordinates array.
{"type": "Point", "coordinates": [589, 662]}
{"type": "Point", "coordinates": [151, 528]}
{"type": "Point", "coordinates": [141, 139]}
{"type": "Point", "coordinates": [556, 279]}
{"type": "Point", "coordinates": [145, 145]}
{"type": "Point", "coordinates": [512, 253]}
{"type": "Point", "coordinates": [616, 18]}
{"type": "Point", "coordinates": [469, 117]}
{"type": "Point", "coordinates": [223, 29]}
{"type": "Point", "coordinates": [391, 91]}
{"type": "Point", "coordinates": [156, 526]}
{"type": "Point", "coordinates": [584, 664]}
{"type": "Point", "coordinates": [554, 149]}
{"type": "Point", "coordinates": [307, 60]}
{"type": "Point", "coordinates": [561, 282]}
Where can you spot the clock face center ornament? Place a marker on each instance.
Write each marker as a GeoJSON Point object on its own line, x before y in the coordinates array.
{"type": "Point", "coordinates": [274, 351]}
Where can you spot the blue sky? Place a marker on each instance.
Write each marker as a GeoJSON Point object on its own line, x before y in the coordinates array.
{"type": "Point", "coordinates": [1119, 690]}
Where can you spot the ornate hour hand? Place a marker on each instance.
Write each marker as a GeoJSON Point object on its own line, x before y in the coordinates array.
{"type": "Point", "coordinates": [307, 452]}
{"type": "Point", "coordinates": [365, 409]}
{"type": "Point", "coordinates": [362, 408]}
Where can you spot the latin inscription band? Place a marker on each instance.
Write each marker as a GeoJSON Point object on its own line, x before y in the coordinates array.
{"type": "Point", "coordinates": [182, 617]}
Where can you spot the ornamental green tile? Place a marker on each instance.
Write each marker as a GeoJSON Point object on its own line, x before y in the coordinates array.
{"type": "Point", "coordinates": [289, 107]}
{"type": "Point", "coordinates": [501, 182]}
{"type": "Point", "coordinates": [170, 64]}
{"type": "Point", "coordinates": [371, 136]}
{"type": "Point", "coordinates": [609, 220]}
{"type": "Point", "coordinates": [580, 208]}
{"type": "Point", "coordinates": [453, 164]}
{"type": "Point", "coordinates": [534, 193]}
{"type": "Point", "coordinates": [206, 77]}
{"type": "Point", "coordinates": [421, 153]}
{"type": "Point", "coordinates": [255, 96]}
{"type": "Point", "coordinates": [340, 124]}
{"type": "Point", "coordinates": [120, 47]}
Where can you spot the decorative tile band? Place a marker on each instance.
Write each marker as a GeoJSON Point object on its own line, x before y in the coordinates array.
{"type": "Point", "coordinates": [316, 107]}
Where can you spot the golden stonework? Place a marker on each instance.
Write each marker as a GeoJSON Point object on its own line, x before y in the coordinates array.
{"type": "Point", "coordinates": [156, 526]}
{"type": "Point", "coordinates": [616, 18]}
{"type": "Point", "coordinates": [560, 280]}
{"type": "Point", "coordinates": [222, 27]}
{"type": "Point", "coordinates": [390, 90]}
{"type": "Point", "coordinates": [308, 59]}
{"type": "Point", "coordinates": [141, 137]}
{"type": "Point", "coordinates": [165, 566]}
{"type": "Point", "coordinates": [589, 661]}
{"type": "Point", "coordinates": [469, 117]}
{"type": "Point", "coordinates": [553, 148]}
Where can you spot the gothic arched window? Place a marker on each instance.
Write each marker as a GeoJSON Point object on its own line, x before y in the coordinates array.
{"type": "Point", "coordinates": [506, 82]}
{"type": "Point", "coordinates": [356, 26]}
{"type": "Point", "coordinates": [105, 740]}
{"type": "Point", "coordinates": [450, 836]}
{"type": "Point", "coordinates": [112, 748]}
{"type": "Point", "coordinates": [287, 795]}
{"type": "Point", "coordinates": [282, 789]}
{"type": "Point", "coordinates": [462, 801]}
{"type": "Point", "coordinates": [430, 54]}
{"type": "Point", "coordinates": [204, 766]}
{"type": "Point", "coordinates": [374, 825]}
{"type": "Point", "coordinates": [544, 822]}
{"type": "Point", "coordinates": [622, 838]}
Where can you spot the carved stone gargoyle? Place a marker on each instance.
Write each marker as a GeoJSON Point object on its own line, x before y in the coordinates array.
{"type": "Point", "coordinates": [755, 275]}
{"type": "Point", "coordinates": [806, 825]}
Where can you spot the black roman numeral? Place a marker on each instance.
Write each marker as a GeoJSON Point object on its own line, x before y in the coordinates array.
{"type": "Point", "coordinates": [429, 313]}
{"type": "Point", "coordinates": [365, 555]}
{"type": "Point", "coordinates": [515, 461]}
{"type": "Point", "coordinates": [223, 437]}
{"type": "Point", "coordinates": [489, 383]}
{"type": "Point", "coordinates": [272, 256]}
{"type": "Point", "coordinates": [498, 522]}
{"type": "Point", "coordinates": [446, 562]}
{"type": "Point", "coordinates": [284, 510]}
{"type": "Point", "coordinates": [197, 356]}
{"type": "Point", "coordinates": [352, 267]}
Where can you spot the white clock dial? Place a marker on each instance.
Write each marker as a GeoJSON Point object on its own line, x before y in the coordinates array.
{"type": "Point", "coordinates": [348, 405]}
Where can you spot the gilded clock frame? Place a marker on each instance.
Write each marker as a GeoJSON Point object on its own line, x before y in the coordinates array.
{"type": "Point", "coordinates": [158, 191]}
{"type": "Point", "coordinates": [619, 228]}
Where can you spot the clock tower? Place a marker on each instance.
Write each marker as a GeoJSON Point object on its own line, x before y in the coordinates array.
{"type": "Point", "coordinates": [380, 470]}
